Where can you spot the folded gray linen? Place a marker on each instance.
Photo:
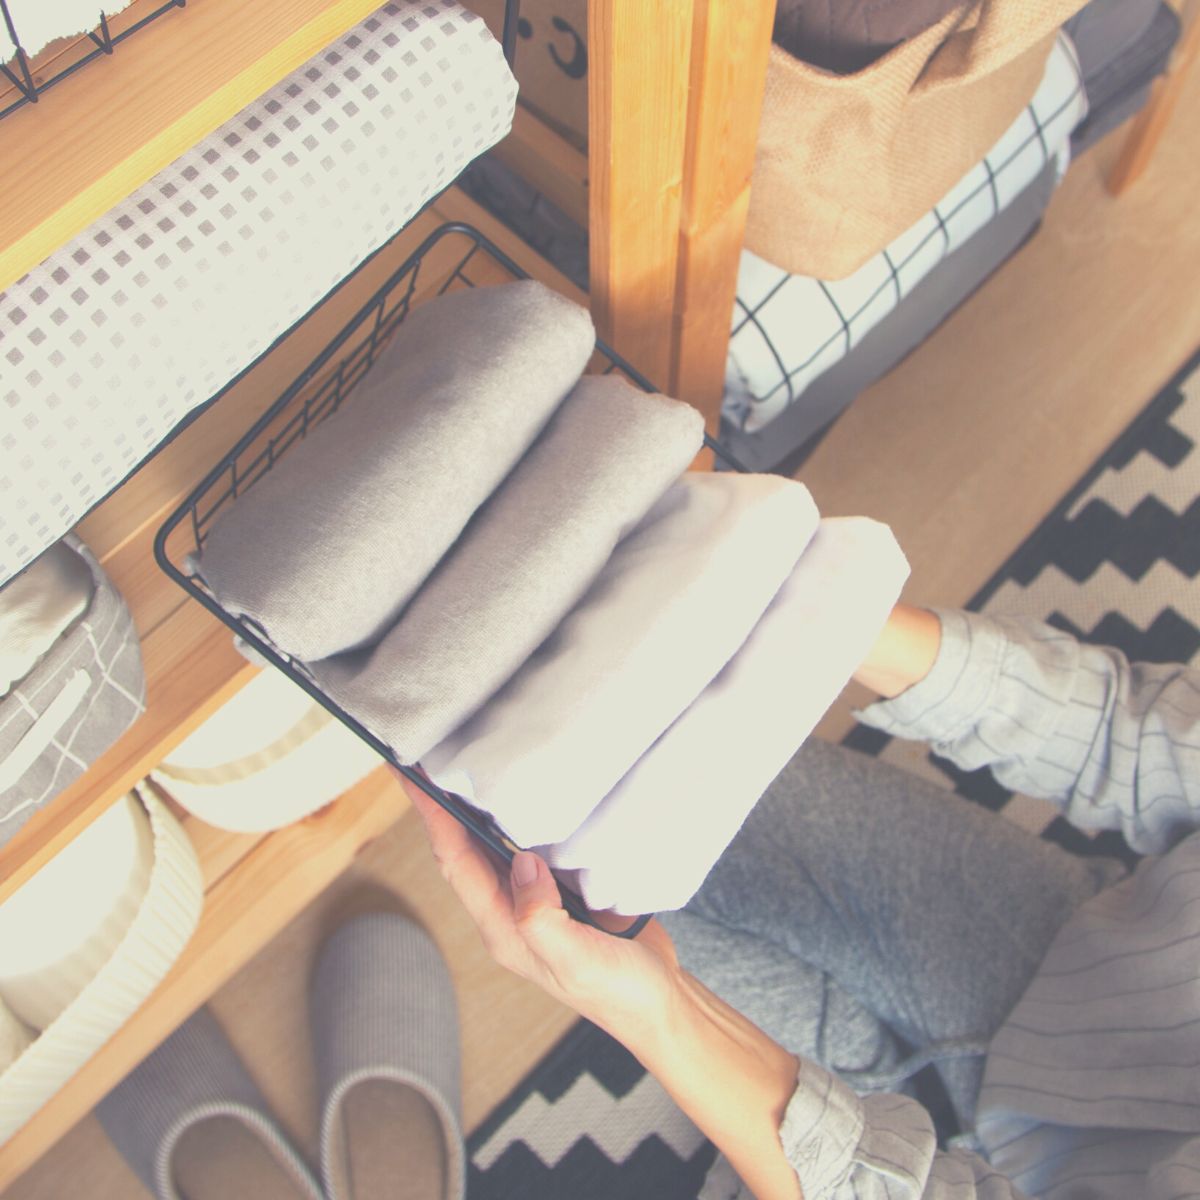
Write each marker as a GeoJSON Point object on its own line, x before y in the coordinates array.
{"type": "Point", "coordinates": [520, 566]}
{"type": "Point", "coordinates": [327, 547]}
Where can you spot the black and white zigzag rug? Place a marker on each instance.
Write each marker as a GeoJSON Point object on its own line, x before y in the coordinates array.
{"type": "Point", "coordinates": [1117, 562]}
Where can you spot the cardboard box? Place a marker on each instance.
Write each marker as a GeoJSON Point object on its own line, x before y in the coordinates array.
{"type": "Point", "coordinates": [551, 60]}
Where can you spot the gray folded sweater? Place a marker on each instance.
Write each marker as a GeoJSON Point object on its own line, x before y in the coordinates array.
{"type": "Point", "coordinates": [526, 558]}
{"type": "Point", "coordinates": [327, 548]}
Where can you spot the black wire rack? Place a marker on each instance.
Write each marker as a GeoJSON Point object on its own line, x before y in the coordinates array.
{"type": "Point", "coordinates": [32, 83]}
{"type": "Point", "coordinates": [454, 256]}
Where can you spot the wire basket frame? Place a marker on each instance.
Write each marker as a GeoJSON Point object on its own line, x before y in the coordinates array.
{"type": "Point", "coordinates": [454, 256]}
{"type": "Point", "coordinates": [31, 83]}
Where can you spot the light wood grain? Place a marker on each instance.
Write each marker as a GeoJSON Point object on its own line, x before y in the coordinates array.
{"type": "Point", "coordinates": [242, 912]}
{"type": "Point", "coordinates": [638, 78]}
{"type": "Point", "coordinates": [730, 43]}
{"type": "Point", "coordinates": [97, 136]}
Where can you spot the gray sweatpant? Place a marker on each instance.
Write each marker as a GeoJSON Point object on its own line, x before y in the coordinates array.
{"type": "Point", "coordinates": [873, 922]}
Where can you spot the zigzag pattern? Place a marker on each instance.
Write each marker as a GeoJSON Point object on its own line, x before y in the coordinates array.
{"type": "Point", "coordinates": [1115, 564]}
{"type": "Point", "coordinates": [589, 1124]}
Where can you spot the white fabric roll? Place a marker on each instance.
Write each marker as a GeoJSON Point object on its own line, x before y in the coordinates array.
{"type": "Point", "coordinates": [164, 923]}
{"type": "Point", "coordinates": [38, 607]}
{"type": "Point", "coordinates": [268, 757]}
{"type": "Point", "coordinates": [650, 844]}
{"type": "Point", "coordinates": [672, 606]}
{"type": "Point", "coordinates": [60, 928]}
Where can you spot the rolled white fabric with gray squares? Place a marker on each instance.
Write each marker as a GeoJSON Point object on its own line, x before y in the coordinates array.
{"type": "Point", "coordinates": [674, 603]}
{"type": "Point", "coordinates": [527, 557]}
{"type": "Point", "coordinates": [329, 546]}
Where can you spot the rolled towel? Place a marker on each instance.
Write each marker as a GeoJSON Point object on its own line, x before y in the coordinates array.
{"type": "Point", "coordinates": [61, 927]}
{"type": "Point", "coordinates": [676, 600]}
{"type": "Point", "coordinates": [324, 551]}
{"type": "Point", "coordinates": [695, 786]}
{"type": "Point", "coordinates": [526, 558]}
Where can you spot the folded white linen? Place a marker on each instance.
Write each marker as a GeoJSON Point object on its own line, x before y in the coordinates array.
{"type": "Point", "coordinates": [695, 786]}
{"type": "Point", "coordinates": [676, 600]}
{"type": "Point", "coordinates": [524, 561]}
{"type": "Point", "coordinates": [38, 607]}
{"type": "Point", "coordinates": [327, 547]}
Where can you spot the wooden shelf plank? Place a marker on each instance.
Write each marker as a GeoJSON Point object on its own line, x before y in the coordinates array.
{"type": "Point", "coordinates": [100, 134]}
{"type": "Point", "coordinates": [243, 910]}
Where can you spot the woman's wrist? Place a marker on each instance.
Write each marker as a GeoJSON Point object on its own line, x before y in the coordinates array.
{"type": "Point", "coordinates": [904, 653]}
{"type": "Point", "coordinates": [728, 1076]}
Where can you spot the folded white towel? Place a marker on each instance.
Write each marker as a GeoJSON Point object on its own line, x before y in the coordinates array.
{"type": "Point", "coordinates": [531, 552]}
{"type": "Point", "coordinates": [693, 789]}
{"type": "Point", "coordinates": [676, 600]}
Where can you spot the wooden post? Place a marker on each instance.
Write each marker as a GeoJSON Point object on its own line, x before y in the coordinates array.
{"type": "Point", "coordinates": [1150, 124]}
{"type": "Point", "coordinates": [675, 94]}
{"type": "Point", "coordinates": [639, 55]}
{"type": "Point", "coordinates": [731, 40]}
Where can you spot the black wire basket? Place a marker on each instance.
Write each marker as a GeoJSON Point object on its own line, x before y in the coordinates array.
{"type": "Point", "coordinates": [32, 77]}
{"type": "Point", "coordinates": [454, 256]}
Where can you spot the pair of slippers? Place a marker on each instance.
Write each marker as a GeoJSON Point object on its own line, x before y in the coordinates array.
{"type": "Point", "coordinates": [193, 1125]}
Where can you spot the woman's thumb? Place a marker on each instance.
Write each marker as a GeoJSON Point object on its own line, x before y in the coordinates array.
{"type": "Point", "coordinates": [533, 888]}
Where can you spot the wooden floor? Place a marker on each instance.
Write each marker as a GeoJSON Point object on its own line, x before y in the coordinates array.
{"type": "Point", "coordinates": [962, 450]}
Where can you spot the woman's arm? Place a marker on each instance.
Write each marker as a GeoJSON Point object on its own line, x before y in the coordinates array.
{"type": "Point", "coordinates": [785, 1126]}
{"type": "Point", "coordinates": [1115, 744]}
{"type": "Point", "coordinates": [904, 652]}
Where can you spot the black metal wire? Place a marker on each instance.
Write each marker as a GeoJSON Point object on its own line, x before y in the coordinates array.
{"type": "Point", "coordinates": [290, 419]}
{"type": "Point", "coordinates": [31, 89]}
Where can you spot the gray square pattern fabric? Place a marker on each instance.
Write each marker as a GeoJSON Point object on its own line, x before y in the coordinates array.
{"type": "Point", "coordinates": [528, 556]}
{"type": "Point", "coordinates": [328, 547]}
{"type": "Point", "coordinates": [149, 312]}
{"type": "Point", "coordinates": [84, 693]}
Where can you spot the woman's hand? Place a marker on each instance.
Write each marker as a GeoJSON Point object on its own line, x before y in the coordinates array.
{"type": "Point", "coordinates": [626, 986]}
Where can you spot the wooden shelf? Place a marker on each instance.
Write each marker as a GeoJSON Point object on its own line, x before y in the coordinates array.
{"type": "Point", "coordinates": [100, 134]}
{"type": "Point", "coordinates": [245, 905]}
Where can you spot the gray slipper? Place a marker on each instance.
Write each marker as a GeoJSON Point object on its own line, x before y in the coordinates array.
{"type": "Point", "coordinates": [385, 1039]}
{"type": "Point", "coordinates": [193, 1125]}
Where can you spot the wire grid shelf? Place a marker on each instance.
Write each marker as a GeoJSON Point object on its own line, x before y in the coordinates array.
{"type": "Point", "coordinates": [454, 256]}
{"type": "Point", "coordinates": [33, 77]}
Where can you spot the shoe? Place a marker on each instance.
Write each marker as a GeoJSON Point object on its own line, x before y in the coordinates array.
{"type": "Point", "coordinates": [385, 1037]}
{"type": "Point", "coordinates": [194, 1126]}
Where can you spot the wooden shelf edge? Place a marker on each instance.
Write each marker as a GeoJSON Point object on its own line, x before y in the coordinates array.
{"type": "Point", "coordinates": [243, 911]}
{"type": "Point", "coordinates": [166, 78]}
